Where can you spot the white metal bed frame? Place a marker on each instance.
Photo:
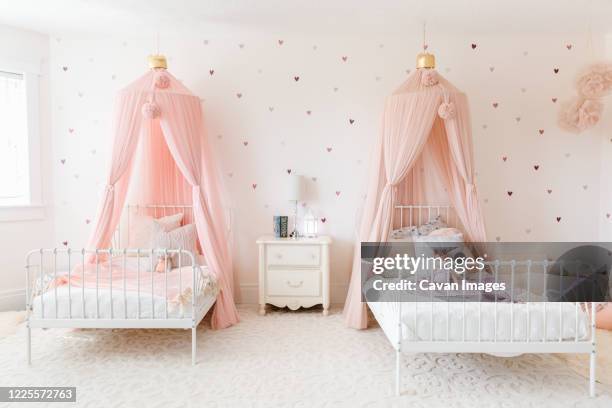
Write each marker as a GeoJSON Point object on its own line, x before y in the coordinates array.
{"type": "Point", "coordinates": [585, 345]}
{"type": "Point", "coordinates": [199, 308]}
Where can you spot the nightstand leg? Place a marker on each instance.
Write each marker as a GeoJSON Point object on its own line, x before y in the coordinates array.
{"type": "Point", "coordinates": [262, 310]}
{"type": "Point", "coordinates": [325, 273]}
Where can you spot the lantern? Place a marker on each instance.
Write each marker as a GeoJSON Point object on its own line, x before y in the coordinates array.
{"type": "Point", "coordinates": [310, 225]}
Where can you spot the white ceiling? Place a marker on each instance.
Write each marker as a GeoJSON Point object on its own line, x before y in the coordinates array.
{"type": "Point", "coordinates": [338, 17]}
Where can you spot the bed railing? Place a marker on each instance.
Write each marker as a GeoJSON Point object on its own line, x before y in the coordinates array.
{"type": "Point", "coordinates": [535, 279]}
{"type": "Point", "coordinates": [44, 266]}
{"type": "Point", "coordinates": [417, 215]}
{"type": "Point", "coordinates": [532, 303]}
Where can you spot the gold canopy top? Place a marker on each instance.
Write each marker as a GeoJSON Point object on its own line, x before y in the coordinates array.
{"type": "Point", "coordinates": [157, 61]}
{"type": "Point", "coordinates": [425, 60]}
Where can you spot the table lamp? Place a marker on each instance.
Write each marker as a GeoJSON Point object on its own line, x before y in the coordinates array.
{"type": "Point", "coordinates": [296, 194]}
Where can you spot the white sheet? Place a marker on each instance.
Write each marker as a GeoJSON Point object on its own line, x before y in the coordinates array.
{"type": "Point", "coordinates": [557, 320]}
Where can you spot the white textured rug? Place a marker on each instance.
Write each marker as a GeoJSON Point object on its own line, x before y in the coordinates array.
{"type": "Point", "coordinates": [279, 360]}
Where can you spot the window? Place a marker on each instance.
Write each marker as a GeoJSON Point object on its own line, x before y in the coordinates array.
{"type": "Point", "coordinates": [14, 152]}
{"type": "Point", "coordinates": [20, 155]}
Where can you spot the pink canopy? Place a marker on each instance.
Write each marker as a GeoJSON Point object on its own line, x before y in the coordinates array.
{"type": "Point", "coordinates": [162, 119]}
{"type": "Point", "coordinates": [423, 156]}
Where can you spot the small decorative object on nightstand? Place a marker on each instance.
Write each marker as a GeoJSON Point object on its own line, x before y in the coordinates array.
{"type": "Point", "coordinates": [294, 272]}
{"type": "Point", "coordinates": [310, 225]}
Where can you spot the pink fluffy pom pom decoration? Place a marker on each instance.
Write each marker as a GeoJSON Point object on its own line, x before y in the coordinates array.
{"type": "Point", "coordinates": [429, 77]}
{"type": "Point", "coordinates": [162, 81]}
{"type": "Point", "coordinates": [446, 110]}
{"type": "Point", "coordinates": [151, 110]}
{"type": "Point", "coordinates": [595, 81]}
{"type": "Point", "coordinates": [580, 114]}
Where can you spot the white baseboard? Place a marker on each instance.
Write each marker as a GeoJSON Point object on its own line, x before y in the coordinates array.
{"type": "Point", "coordinates": [12, 299]}
{"type": "Point", "coordinates": [249, 293]}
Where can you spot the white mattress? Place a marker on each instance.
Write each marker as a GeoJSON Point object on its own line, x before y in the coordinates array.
{"type": "Point", "coordinates": [150, 307]}
{"type": "Point", "coordinates": [557, 321]}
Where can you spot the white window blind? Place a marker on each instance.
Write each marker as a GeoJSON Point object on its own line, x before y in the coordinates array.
{"type": "Point", "coordinates": [14, 153]}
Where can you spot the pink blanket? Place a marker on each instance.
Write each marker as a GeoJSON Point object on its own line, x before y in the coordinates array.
{"type": "Point", "coordinates": [176, 284]}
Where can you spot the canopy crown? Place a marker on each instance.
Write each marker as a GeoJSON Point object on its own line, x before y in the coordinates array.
{"type": "Point", "coordinates": [158, 61]}
{"type": "Point", "coordinates": [425, 60]}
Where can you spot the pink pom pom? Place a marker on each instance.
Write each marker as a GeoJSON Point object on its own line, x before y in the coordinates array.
{"type": "Point", "coordinates": [595, 81]}
{"type": "Point", "coordinates": [162, 80]}
{"type": "Point", "coordinates": [446, 110]}
{"type": "Point", "coordinates": [150, 110]}
{"type": "Point", "coordinates": [429, 77]}
{"type": "Point", "coordinates": [580, 114]}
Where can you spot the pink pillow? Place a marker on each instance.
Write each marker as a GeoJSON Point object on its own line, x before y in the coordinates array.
{"type": "Point", "coordinates": [142, 228]}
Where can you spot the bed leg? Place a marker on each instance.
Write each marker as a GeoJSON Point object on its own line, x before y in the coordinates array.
{"type": "Point", "coordinates": [29, 345]}
{"type": "Point", "coordinates": [193, 345]}
{"type": "Point", "coordinates": [398, 353]}
{"type": "Point", "coordinates": [593, 359]}
{"type": "Point", "coordinates": [398, 356]}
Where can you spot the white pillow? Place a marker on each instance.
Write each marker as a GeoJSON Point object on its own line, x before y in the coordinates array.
{"type": "Point", "coordinates": [432, 225]}
{"type": "Point", "coordinates": [142, 228]}
{"type": "Point", "coordinates": [445, 235]}
{"type": "Point", "coordinates": [184, 237]}
{"type": "Point", "coordinates": [405, 232]}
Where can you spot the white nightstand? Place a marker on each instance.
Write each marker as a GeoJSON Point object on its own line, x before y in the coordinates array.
{"type": "Point", "coordinates": [293, 272]}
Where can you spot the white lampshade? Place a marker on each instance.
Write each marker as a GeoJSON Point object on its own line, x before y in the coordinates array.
{"type": "Point", "coordinates": [296, 188]}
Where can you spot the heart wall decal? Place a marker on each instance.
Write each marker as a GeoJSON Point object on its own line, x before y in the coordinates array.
{"type": "Point", "coordinates": [297, 84]}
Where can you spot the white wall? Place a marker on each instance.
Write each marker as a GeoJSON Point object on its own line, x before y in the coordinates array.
{"type": "Point", "coordinates": [18, 237]}
{"type": "Point", "coordinates": [605, 212]}
{"type": "Point", "coordinates": [515, 72]}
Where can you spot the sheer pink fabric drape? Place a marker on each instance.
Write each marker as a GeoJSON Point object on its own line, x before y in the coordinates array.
{"type": "Point", "coordinates": [160, 181]}
{"type": "Point", "coordinates": [406, 126]}
{"type": "Point", "coordinates": [182, 127]}
{"type": "Point", "coordinates": [127, 129]}
{"type": "Point", "coordinates": [462, 192]}
{"type": "Point", "coordinates": [416, 148]}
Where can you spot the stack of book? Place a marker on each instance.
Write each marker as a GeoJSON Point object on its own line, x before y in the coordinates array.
{"type": "Point", "coordinates": [281, 226]}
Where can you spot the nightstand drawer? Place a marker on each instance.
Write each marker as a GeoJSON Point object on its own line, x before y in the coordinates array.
{"type": "Point", "coordinates": [296, 255]}
{"type": "Point", "coordinates": [282, 282]}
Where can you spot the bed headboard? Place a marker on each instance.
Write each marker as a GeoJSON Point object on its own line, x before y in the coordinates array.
{"type": "Point", "coordinates": [417, 215]}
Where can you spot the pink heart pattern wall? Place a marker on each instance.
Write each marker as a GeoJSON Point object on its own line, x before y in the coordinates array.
{"type": "Point", "coordinates": [282, 105]}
